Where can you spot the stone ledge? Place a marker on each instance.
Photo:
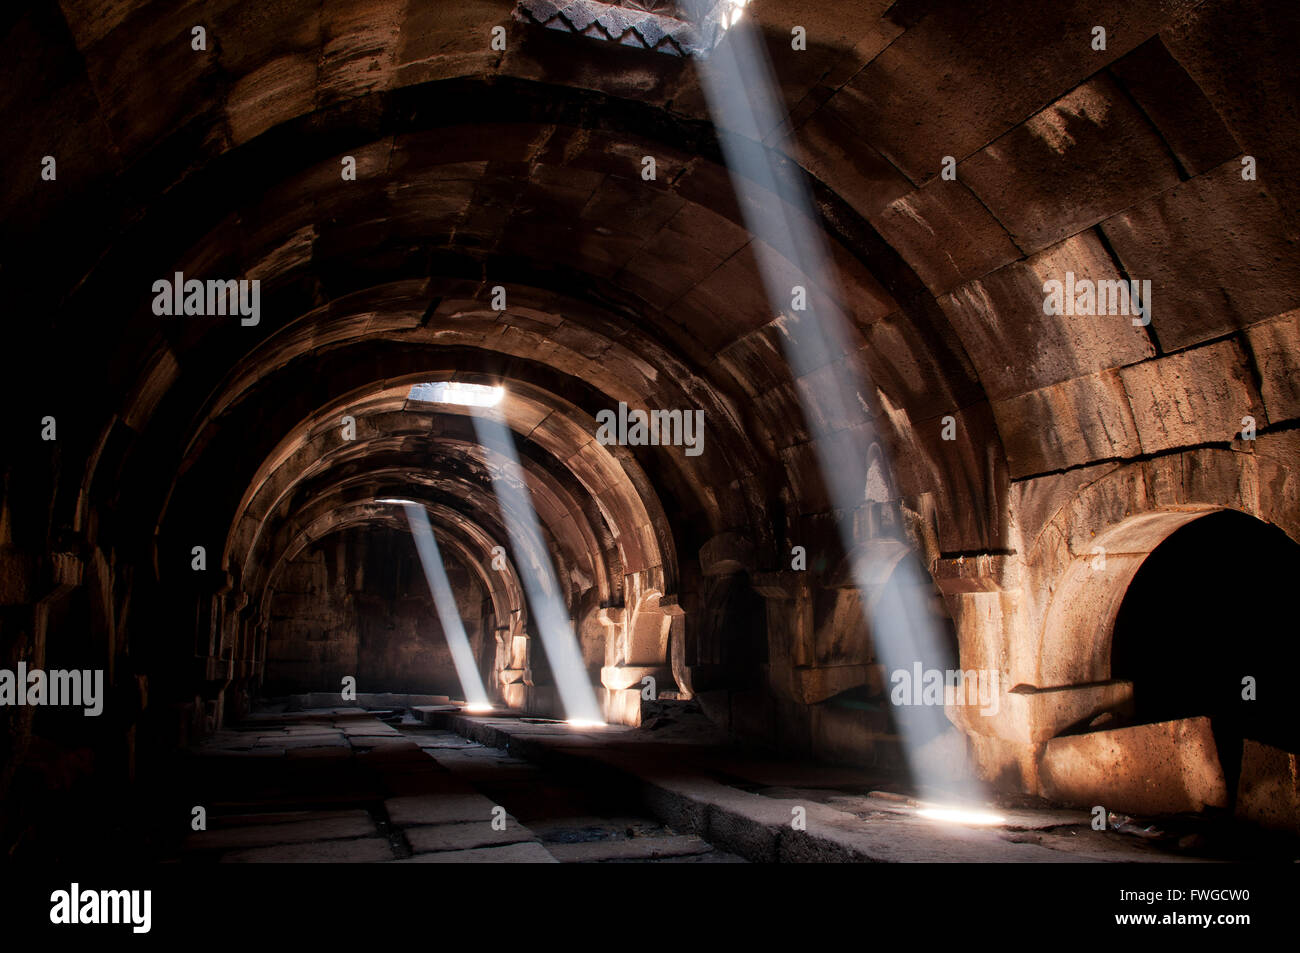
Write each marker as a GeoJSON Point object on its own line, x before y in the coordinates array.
{"type": "Point", "coordinates": [984, 572]}
{"type": "Point", "coordinates": [1166, 768]}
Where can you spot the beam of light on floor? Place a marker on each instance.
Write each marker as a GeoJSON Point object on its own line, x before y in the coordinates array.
{"type": "Point", "coordinates": [462, 656]}
{"type": "Point", "coordinates": [538, 575]}
{"type": "Point", "coordinates": [745, 104]}
{"type": "Point", "coordinates": [959, 816]}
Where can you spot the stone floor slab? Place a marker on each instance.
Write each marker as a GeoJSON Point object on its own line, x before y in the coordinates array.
{"type": "Point", "coordinates": [466, 835]}
{"type": "Point", "coordinates": [439, 809]}
{"type": "Point", "coordinates": [530, 853]}
{"type": "Point", "coordinates": [629, 848]}
{"type": "Point", "coordinates": [365, 850]}
{"type": "Point", "coordinates": [340, 825]}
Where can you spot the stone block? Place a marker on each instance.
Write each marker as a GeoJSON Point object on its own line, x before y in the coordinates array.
{"type": "Point", "coordinates": [1043, 713]}
{"type": "Point", "coordinates": [1229, 49]}
{"type": "Point", "coordinates": [621, 706]}
{"type": "Point", "coordinates": [816, 683]}
{"type": "Point", "coordinates": [1017, 348]}
{"type": "Point", "coordinates": [363, 850]}
{"type": "Point", "coordinates": [1276, 346]}
{"type": "Point", "coordinates": [1067, 424]}
{"type": "Point", "coordinates": [1193, 397]}
{"type": "Point", "coordinates": [914, 111]}
{"type": "Point", "coordinates": [1166, 768]}
{"type": "Point", "coordinates": [1230, 235]}
{"type": "Point", "coordinates": [629, 848]}
{"type": "Point", "coordinates": [344, 824]}
{"type": "Point", "coordinates": [1082, 159]}
{"type": "Point", "coordinates": [439, 809]}
{"type": "Point", "coordinates": [1268, 792]}
{"type": "Point", "coordinates": [829, 147]}
{"type": "Point", "coordinates": [1175, 104]}
{"type": "Point", "coordinates": [464, 836]}
{"type": "Point", "coordinates": [945, 234]}
{"type": "Point", "coordinates": [527, 853]}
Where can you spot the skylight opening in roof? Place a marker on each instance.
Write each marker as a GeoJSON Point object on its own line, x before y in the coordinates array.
{"type": "Point", "coordinates": [457, 392]}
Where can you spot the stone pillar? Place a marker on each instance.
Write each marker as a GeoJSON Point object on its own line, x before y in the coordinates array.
{"type": "Point", "coordinates": [789, 604]}
{"type": "Point", "coordinates": [637, 649]}
{"type": "Point", "coordinates": [677, 646]}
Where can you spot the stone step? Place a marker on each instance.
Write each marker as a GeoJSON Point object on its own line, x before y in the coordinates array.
{"type": "Point", "coordinates": [433, 714]}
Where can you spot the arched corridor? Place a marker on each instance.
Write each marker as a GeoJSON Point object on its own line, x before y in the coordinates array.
{"type": "Point", "coordinates": [770, 413]}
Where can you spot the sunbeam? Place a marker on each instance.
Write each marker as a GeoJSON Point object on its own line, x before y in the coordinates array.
{"type": "Point", "coordinates": [537, 573]}
{"type": "Point", "coordinates": [779, 213]}
{"type": "Point", "coordinates": [462, 656]}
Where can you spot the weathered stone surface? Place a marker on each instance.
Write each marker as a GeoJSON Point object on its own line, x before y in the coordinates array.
{"type": "Point", "coordinates": [1175, 104]}
{"type": "Point", "coordinates": [1196, 396]}
{"type": "Point", "coordinates": [1070, 423]}
{"type": "Point", "coordinates": [439, 809]}
{"type": "Point", "coordinates": [917, 115]}
{"type": "Point", "coordinates": [634, 848]}
{"type": "Point", "coordinates": [342, 824]}
{"type": "Point", "coordinates": [503, 230]}
{"type": "Point", "coordinates": [1035, 349]}
{"type": "Point", "coordinates": [1164, 768]}
{"type": "Point", "coordinates": [1217, 252]}
{"type": "Point", "coordinates": [1268, 791]}
{"type": "Point", "coordinates": [530, 853]}
{"type": "Point", "coordinates": [826, 143]}
{"type": "Point", "coordinates": [466, 835]}
{"type": "Point", "coordinates": [1083, 158]}
{"type": "Point", "coordinates": [1275, 345]}
{"type": "Point", "coordinates": [1046, 712]}
{"type": "Point", "coordinates": [364, 850]}
{"type": "Point", "coordinates": [974, 242]}
{"type": "Point", "coordinates": [1226, 48]}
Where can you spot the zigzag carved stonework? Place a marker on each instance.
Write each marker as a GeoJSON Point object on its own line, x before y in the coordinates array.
{"type": "Point", "coordinates": [664, 26]}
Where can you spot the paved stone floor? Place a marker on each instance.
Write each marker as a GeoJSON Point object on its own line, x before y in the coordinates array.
{"type": "Point", "coordinates": [436, 786]}
{"type": "Point", "coordinates": [744, 801]}
{"type": "Point", "coordinates": [341, 785]}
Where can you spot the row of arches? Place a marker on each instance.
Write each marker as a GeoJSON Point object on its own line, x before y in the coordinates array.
{"type": "Point", "coordinates": [477, 173]}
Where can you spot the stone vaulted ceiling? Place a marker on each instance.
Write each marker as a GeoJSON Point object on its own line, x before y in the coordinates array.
{"type": "Point", "coordinates": [960, 156]}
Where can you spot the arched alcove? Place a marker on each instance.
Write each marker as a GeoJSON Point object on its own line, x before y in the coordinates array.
{"type": "Point", "coordinates": [1206, 618]}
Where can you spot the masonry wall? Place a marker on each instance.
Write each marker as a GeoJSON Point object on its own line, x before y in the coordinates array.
{"type": "Point", "coordinates": [357, 603]}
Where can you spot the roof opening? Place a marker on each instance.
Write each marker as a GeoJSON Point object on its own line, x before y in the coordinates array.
{"type": "Point", "coordinates": [457, 392]}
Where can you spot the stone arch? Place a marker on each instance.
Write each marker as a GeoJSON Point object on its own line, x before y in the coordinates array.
{"type": "Point", "coordinates": [1204, 630]}
{"type": "Point", "coordinates": [470, 543]}
{"type": "Point", "coordinates": [568, 538]}
{"type": "Point", "coordinates": [1077, 628]}
{"type": "Point", "coordinates": [622, 493]}
{"type": "Point", "coordinates": [1093, 546]}
{"type": "Point", "coordinates": [503, 586]}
